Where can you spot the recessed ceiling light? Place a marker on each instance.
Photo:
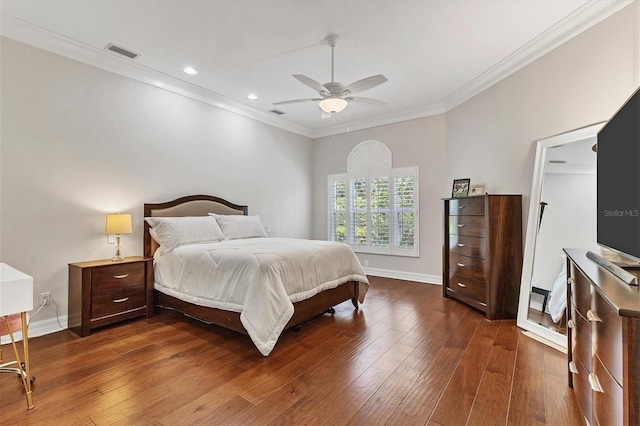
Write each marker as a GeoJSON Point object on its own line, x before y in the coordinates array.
{"type": "Point", "coordinates": [252, 97]}
{"type": "Point", "coordinates": [190, 70]}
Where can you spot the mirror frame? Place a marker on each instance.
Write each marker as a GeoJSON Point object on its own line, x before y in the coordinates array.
{"type": "Point", "coordinates": [532, 230]}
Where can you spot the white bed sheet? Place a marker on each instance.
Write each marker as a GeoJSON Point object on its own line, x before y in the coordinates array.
{"type": "Point", "coordinates": [260, 278]}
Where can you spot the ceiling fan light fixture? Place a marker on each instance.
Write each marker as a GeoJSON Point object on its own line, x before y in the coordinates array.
{"type": "Point", "coordinates": [333, 105]}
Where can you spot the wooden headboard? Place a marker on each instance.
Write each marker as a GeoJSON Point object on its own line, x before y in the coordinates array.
{"type": "Point", "coordinates": [191, 205]}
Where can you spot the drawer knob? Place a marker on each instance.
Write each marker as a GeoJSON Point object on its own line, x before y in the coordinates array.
{"type": "Point", "coordinates": [119, 277]}
{"type": "Point", "coordinates": [595, 383]}
{"type": "Point", "coordinates": [462, 265]}
{"type": "Point", "coordinates": [461, 245]}
{"type": "Point", "coordinates": [593, 317]}
{"type": "Point", "coordinates": [571, 324]}
{"type": "Point", "coordinates": [461, 225]}
{"type": "Point", "coordinates": [124, 299]}
{"type": "Point", "coordinates": [572, 367]}
{"type": "Point", "coordinates": [461, 285]}
{"type": "Point", "coordinates": [571, 280]}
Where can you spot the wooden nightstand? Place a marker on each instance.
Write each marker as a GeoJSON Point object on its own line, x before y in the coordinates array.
{"type": "Point", "coordinates": [104, 292]}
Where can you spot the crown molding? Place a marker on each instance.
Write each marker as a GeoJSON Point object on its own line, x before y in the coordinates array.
{"type": "Point", "coordinates": [583, 18]}
{"type": "Point", "coordinates": [588, 15]}
{"type": "Point", "coordinates": [434, 109]}
{"type": "Point", "coordinates": [30, 34]}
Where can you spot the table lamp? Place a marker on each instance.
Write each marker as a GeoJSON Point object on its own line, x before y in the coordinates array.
{"type": "Point", "coordinates": [118, 224]}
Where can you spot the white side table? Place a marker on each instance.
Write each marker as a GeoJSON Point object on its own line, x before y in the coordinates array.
{"type": "Point", "coordinates": [16, 298]}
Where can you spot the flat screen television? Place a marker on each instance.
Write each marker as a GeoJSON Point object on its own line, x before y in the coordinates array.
{"type": "Point", "coordinates": [618, 183]}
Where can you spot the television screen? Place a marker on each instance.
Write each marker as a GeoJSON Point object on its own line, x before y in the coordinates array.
{"type": "Point", "coordinates": [618, 180]}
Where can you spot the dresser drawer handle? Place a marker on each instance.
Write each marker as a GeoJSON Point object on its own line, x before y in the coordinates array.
{"type": "Point", "coordinates": [119, 277]}
{"type": "Point", "coordinates": [595, 383]}
{"type": "Point", "coordinates": [571, 281]}
{"type": "Point", "coordinates": [571, 324]}
{"type": "Point", "coordinates": [461, 285]}
{"type": "Point", "coordinates": [461, 245]}
{"type": "Point", "coordinates": [124, 299]}
{"type": "Point", "coordinates": [461, 225]}
{"type": "Point", "coordinates": [483, 304]}
{"type": "Point", "coordinates": [572, 367]}
{"type": "Point", "coordinates": [461, 207]}
{"type": "Point", "coordinates": [593, 317]}
{"type": "Point", "coordinates": [462, 265]}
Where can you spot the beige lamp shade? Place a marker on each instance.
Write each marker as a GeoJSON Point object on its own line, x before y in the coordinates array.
{"type": "Point", "coordinates": [118, 224]}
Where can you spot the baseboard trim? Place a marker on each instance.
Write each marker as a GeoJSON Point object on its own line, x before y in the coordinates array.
{"type": "Point", "coordinates": [402, 275]}
{"type": "Point", "coordinates": [38, 328]}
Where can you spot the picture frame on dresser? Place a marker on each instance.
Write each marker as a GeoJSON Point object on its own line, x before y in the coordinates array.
{"type": "Point", "coordinates": [460, 188]}
{"type": "Point", "coordinates": [476, 190]}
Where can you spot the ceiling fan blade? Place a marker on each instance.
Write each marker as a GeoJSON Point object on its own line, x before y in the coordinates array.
{"type": "Point", "coordinates": [365, 84]}
{"type": "Point", "coordinates": [311, 83]}
{"type": "Point", "coordinates": [365, 100]}
{"type": "Point", "coordinates": [295, 101]}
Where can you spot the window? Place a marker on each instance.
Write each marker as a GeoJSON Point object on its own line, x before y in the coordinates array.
{"type": "Point", "coordinates": [375, 211]}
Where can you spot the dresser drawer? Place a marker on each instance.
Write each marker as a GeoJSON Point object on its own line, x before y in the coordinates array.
{"type": "Point", "coordinates": [467, 246]}
{"type": "Point", "coordinates": [117, 300]}
{"type": "Point", "coordinates": [467, 206]}
{"type": "Point", "coordinates": [581, 339]}
{"type": "Point", "coordinates": [471, 267]}
{"type": "Point", "coordinates": [581, 387]}
{"type": "Point", "coordinates": [607, 401]}
{"type": "Point", "coordinates": [117, 276]}
{"type": "Point", "coordinates": [468, 288]}
{"type": "Point", "coordinates": [580, 291]}
{"type": "Point", "coordinates": [467, 225]}
{"type": "Point", "coordinates": [607, 336]}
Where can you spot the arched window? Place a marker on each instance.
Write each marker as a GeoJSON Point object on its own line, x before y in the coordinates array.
{"type": "Point", "coordinates": [374, 207]}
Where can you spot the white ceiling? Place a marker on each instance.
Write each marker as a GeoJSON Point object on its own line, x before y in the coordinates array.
{"type": "Point", "coordinates": [435, 53]}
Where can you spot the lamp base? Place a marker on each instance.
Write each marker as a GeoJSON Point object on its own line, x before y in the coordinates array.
{"type": "Point", "coordinates": [117, 259]}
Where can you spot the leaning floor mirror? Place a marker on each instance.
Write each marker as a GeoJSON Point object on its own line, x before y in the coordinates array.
{"type": "Point", "coordinates": [562, 214]}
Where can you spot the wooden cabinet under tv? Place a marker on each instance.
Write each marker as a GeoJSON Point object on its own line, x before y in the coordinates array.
{"type": "Point", "coordinates": [603, 330]}
{"type": "Point", "coordinates": [482, 252]}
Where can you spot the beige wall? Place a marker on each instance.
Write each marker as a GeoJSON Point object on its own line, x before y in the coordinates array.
{"type": "Point", "coordinates": [78, 142]}
{"type": "Point", "coordinates": [419, 142]}
{"type": "Point", "coordinates": [491, 138]}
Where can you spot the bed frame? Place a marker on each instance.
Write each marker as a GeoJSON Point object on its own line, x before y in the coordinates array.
{"type": "Point", "coordinates": [201, 205]}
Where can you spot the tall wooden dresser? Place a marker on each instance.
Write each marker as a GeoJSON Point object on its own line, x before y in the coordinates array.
{"type": "Point", "coordinates": [604, 342]}
{"type": "Point", "coordinates": [482, 252]}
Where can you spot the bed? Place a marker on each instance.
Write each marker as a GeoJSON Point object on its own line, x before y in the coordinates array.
{"type": "Point", "coordinates": [247, 267]}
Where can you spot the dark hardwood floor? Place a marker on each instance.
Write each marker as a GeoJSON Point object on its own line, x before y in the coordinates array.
{"type": "Point", "coordinates": [407, 357]}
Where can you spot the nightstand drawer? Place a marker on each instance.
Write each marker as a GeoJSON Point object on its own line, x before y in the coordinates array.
{"type": "Point", "coordinates": [117, 276]}
{"type": "Point", "coordinates": [117, 300]}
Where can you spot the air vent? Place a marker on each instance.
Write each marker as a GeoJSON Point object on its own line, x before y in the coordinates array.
{"type": "Point", "coordinates": [277, 112]}
{"type": "Point", "coordinates": [122, 51]}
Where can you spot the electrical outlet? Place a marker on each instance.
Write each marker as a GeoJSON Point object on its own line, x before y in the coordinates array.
{"type": "Point", "coordinates": [366, 263]}
{"type": "Point", "coordinates": [45, 298]}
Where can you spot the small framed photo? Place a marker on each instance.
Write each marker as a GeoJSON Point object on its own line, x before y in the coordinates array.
{"type": "Point", "coordinates": [477, 190]}
{"type": "Point", "coordinates": [460, 188]}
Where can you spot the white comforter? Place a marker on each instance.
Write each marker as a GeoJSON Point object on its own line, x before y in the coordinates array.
{"type": "Point", "coordinates": [259, 277]}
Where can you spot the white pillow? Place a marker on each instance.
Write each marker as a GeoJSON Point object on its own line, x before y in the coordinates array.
{"type": "Point", "coordinates": [174, 231]}
{"type": "Point", "coordinates": [239, 226]}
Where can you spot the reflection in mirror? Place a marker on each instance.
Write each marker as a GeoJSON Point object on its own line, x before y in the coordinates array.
{"type": "Point", "coordinates": [562, 214]}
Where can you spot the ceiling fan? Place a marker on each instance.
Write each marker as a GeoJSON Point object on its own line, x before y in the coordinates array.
{"type": "Point", "coordinates": [334, 96]}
